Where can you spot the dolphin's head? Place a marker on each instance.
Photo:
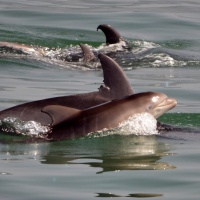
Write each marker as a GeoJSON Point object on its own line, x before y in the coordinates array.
{"type": "Point", "coordinates": [158, 103]}
{"type": "Point", "coordinates": [154, 103]}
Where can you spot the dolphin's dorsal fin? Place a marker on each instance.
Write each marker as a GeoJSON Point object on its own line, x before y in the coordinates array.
{"type": "Point", "coordinates": [60, 114]}
{"type": "Point", "coordinates": [87, 53]}
{"type": "Point", "coordinates": [114, 78]}
{"type": "Point", "coordinates": [112, 36]}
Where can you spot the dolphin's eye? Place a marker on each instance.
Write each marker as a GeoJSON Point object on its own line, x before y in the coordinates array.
{"type": "Point", "coordinates": [149, 107]}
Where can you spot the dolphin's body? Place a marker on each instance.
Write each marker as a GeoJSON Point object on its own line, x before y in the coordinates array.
{"type": "Point", "coordinates": [70, 123]}
{"type": "Point", "coordinates": [116, 85]}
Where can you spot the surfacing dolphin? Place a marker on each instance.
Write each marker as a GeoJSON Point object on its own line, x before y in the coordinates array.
{"type": "Point", "coordinates": [70, 123]}
{"type": "Point", "coordinates": [127, 53]}
{"type": "Point", "coordinates": [111, 34]}
{"type": "Point", "coordinates": [88, 55]}
{"type": "Point", "coordinates": [66, 54]}
{"type": "Point", "coordinates": [116, 85]}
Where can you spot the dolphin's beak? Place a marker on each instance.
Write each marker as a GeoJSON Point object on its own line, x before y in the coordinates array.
{"type": "Point", "coordinates": [168, 102]}
{"type": "Point", "coordinates": [166, 105]}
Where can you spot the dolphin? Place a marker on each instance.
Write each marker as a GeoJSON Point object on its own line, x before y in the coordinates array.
{"type": "Point", "coordinates": [21, 49]}
{"type": "Point", "coordinates": [116, 85]}
{"type": "Point", "coordinates": [111, 34]}
{"type": "Point", "coordinates": [88, 55]}
{"type": "Point", "coordinates": [112, 37]}
{"type": "Point", "coordinates": [70, 123]}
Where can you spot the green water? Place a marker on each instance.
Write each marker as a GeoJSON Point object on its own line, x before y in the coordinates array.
{"type": "Point", "coordinates": [114, 166]}
{"type": "Point", "coordinates": [187, 119]}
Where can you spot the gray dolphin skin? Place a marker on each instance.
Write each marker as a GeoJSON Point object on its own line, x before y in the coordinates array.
{"type": "Point", "coordinates": [116, 85]}
{"type": "Point", "coordinates": [88, 55]}
{"type": "Point", "coordinates": [112, 35]}
{"type": "Point", "coordinates": [70, 123]}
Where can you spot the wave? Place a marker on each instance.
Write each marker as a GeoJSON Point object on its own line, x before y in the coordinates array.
{"type": "Point", "coordinates": [136, 54]}
{"type": "Point", "coordinates": [30, 128]}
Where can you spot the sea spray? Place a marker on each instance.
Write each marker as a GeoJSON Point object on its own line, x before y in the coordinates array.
{"type": "Point", "coordinates": [138, 124]}
{"type": "Point", "coordinates": [19, 127]}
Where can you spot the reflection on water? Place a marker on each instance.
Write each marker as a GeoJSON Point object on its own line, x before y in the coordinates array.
{"type": "Point", "coordinates": [136, 195]}
{"type": "Point", "coordinates": [131, 153]}
{"type": "Point", "coordinates": [111, 153]}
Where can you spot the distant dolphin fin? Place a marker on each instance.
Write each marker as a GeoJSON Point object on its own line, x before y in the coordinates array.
{"type": "Point", "coordinates": [60, 114]}
{"type": "Point", "coordinates": [112, 36]}
{"type": "Point", "coordinates": [115, 79]}
{"type": "Point", "coordinates": [87, 53]}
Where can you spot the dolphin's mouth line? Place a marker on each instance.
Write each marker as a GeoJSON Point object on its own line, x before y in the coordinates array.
{"type": "Point", "coordinates": [166, 105]}
{"type": "Point", "coordinates": [167, 102]}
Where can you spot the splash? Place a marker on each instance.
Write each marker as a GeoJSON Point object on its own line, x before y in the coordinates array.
{"type": "Point", "coordinates": [129, 54]}
{"type": "Point", "coordinates": [139, 47]}
{"type": "Point", "coordinates": [139, 124]}
{"type": "Point", "coordinates": [29, 128]}
{"type": "Point", "coordinates": [104, 48]}
{"type": "Point", "coordinates": [163, 60]}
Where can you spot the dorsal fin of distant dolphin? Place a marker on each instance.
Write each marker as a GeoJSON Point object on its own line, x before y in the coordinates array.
{"type": "Point", "coordinates": [112, 36]}
{"type": "Point", "coordinates": [87, 53]}
{"type": "Point", "coordinates": [60, 114]}
{"type": "Point", "coordinates": [115, 79]}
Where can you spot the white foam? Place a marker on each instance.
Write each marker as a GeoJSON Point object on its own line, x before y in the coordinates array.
{"type": "Point", "coordinates": [29, 128]}
{"type": "Point", "coordinates": [104, 48]}
{"type": "Point", "coordinates": [142, 46]}
{"type": "Point", "coordinates": [163, 60]}
{"type": "Point", "coordinates": [139, 124]}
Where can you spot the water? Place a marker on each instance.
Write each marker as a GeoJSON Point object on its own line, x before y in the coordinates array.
{"type": "Point", "coordinates": [112, 166]}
